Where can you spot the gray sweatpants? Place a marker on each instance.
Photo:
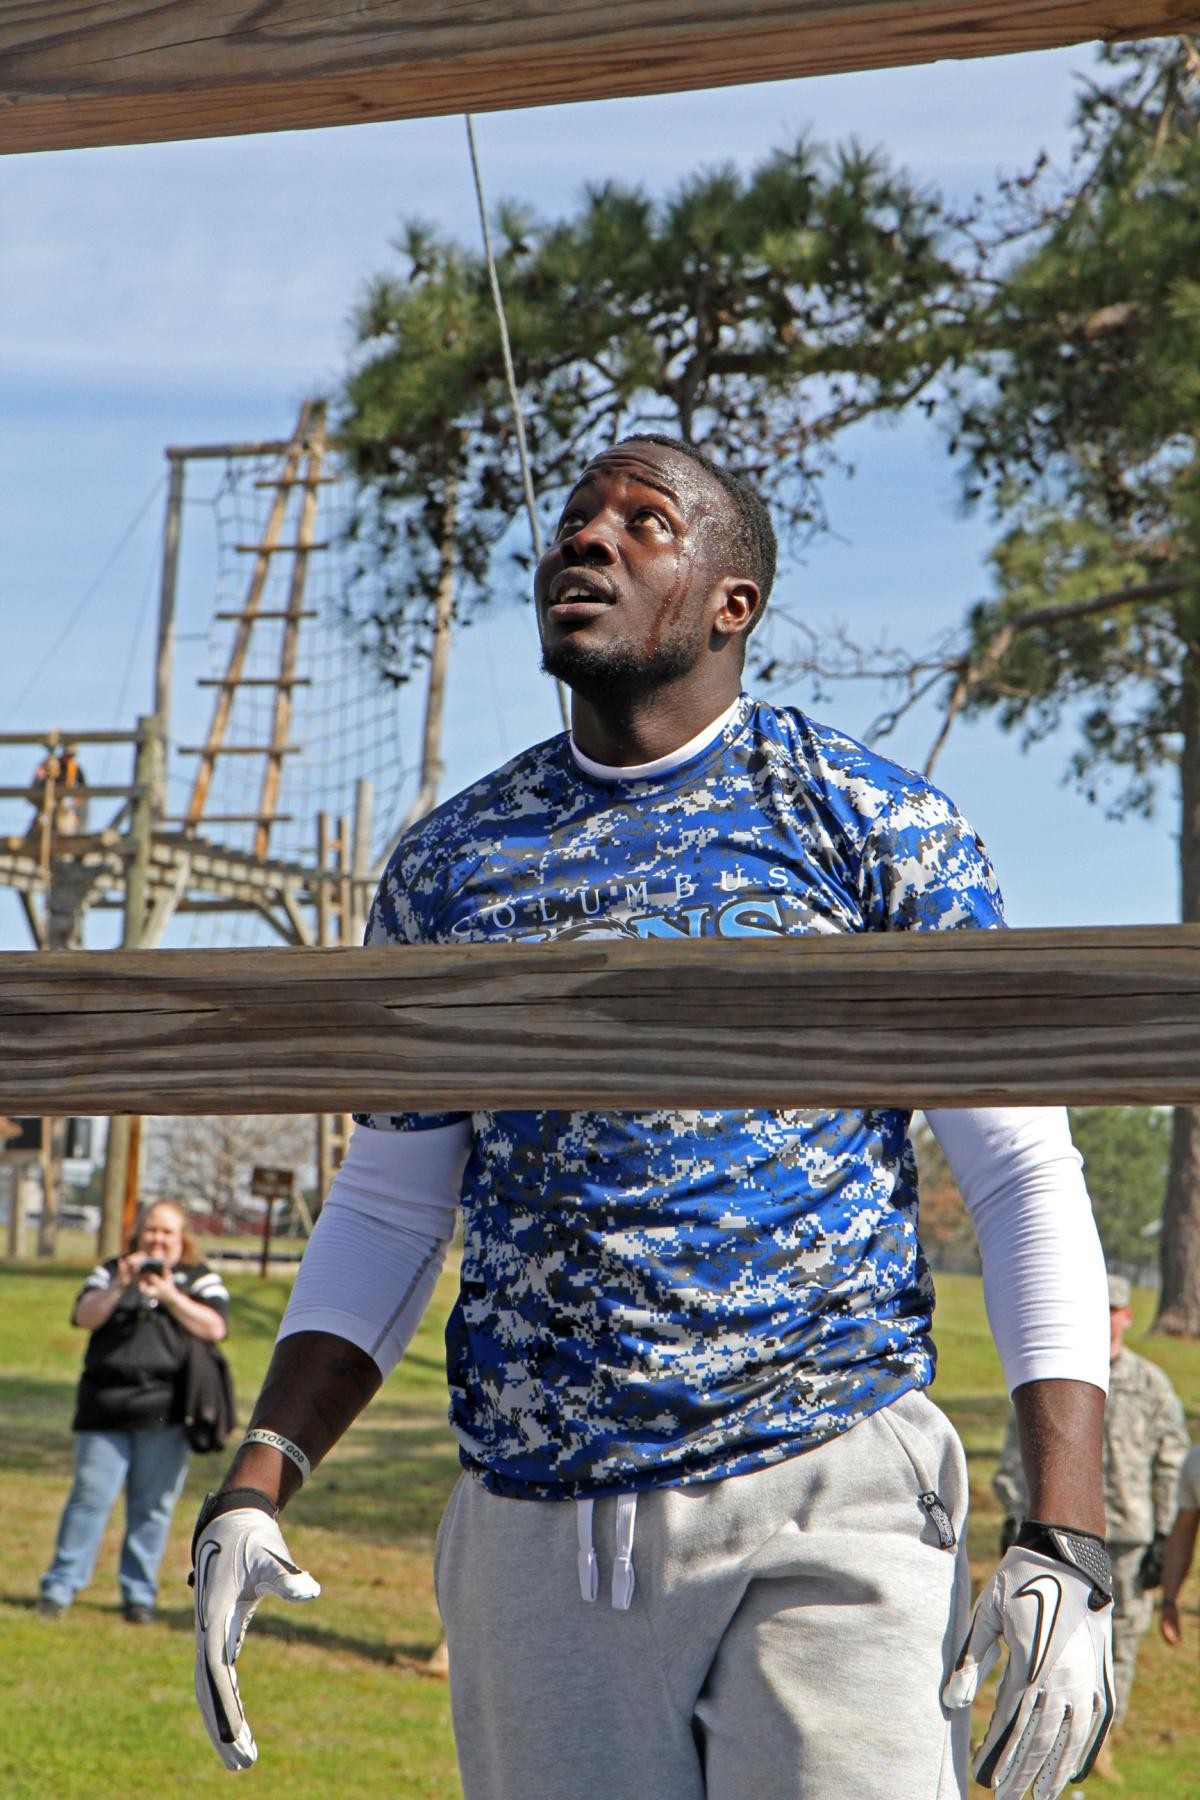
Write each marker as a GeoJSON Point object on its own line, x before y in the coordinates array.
{"type": "Point", "coordinates": [787, 1638]}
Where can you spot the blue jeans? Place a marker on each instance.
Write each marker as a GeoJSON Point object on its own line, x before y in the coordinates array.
{"type": "Point", "coordinates": [150, 1466]}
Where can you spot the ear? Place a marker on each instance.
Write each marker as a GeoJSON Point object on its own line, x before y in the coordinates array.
{"type": "Point", "coordinates": [738, 602]}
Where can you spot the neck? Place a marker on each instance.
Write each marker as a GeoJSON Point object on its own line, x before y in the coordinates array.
{"type": "Point", "coordinates": [649, 726]}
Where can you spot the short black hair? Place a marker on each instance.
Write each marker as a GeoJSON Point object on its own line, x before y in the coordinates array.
{"type": "Point", "coordinates": [751, 542]}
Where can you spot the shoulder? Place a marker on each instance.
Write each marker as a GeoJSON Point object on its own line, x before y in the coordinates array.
{"type": "Point", "coordinates": [438, 849]}
{"type": "Point", "coordinates": [200, 1282]}
{"type": "Point", "coordinates": [528, 782]}
{"type": "Point", "coordinates": [856, 778]}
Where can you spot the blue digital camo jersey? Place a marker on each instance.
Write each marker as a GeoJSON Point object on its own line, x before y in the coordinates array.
{"type": "Point", "coordinates": [661, 1297]}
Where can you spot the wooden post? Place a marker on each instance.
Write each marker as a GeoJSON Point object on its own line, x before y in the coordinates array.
{"type": "Point", "coordinates": [266, 1249]}
{"type": "Point", "coordinates": [141, 825]}
{"type": "Point", "coordinates": [270, 1185]}
{"type": "Point", "coordinates": [323, 870]}
{"type": "Point", "coordinates": [166, 628]}
{"type": "Point", "coordinates": [345, 892]}
{"type": "Point", "coordinates": [122, 1156]}
{"type": "Point", "coordinates": [432, 767]}
{"type": "Point", "coordinates": [120, 71]}
{"type": "Point", "coordinates": [364, 802]}
{"type": "Point", "coordinates": [1087, 1017]}
{"type": "Point", "coordinates": [282, 716]}
{"type": "Point", "coordinates": [49, 807]}
{"type": "Point", "coordinates": [54, 1133]}
{"type": "Point", "coordinates": [15, 1171]}
{"type": "Point", "coordinates": [133, 1178]}
{"type": "Point", "coordinates": [112, 1204]}
{"type": "Point", "coordinates": [324, 1122]}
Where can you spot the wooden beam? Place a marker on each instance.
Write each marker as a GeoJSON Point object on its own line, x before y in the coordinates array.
{"type": "Point", "coordinates": [78, 72]}
{"type": "Point", "coordinates": [941, 1018]}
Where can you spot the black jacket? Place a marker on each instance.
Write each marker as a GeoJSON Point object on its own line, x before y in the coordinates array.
{"type": "Point", "coordinates": [133, 1368]}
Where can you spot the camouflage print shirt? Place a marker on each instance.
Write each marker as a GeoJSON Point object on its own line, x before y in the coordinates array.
{"type": "Point", "coordinates": [662, 1297]}
{"type": "Point", "coordinates": [1145, 1442]}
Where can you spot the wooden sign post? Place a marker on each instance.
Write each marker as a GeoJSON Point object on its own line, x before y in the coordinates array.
{"type": "Point", "coordinates": [270, 1185]}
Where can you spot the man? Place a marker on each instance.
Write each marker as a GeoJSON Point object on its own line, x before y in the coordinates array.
{"type": "Point", "coordinates": [1180, 1546]}
{"type": "Point", "coordinates": [60, 766]}
{"type": "Point", "coordinates": [1145, 1440]}
{"type": "Point", "coordinates": [709, 1538]}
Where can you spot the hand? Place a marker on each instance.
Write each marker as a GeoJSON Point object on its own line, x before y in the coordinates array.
{"type": "Point", "coordinates": [1055, 1701]}
{"type": "Point", "coordinates": [1168, 1624]}
{"type": "Point", "coordinates": [238, 1557]}
{"type": "Point", "coordinates": [1150, 1569]}
{"type": "Point", "coordinates": [158, 1287]}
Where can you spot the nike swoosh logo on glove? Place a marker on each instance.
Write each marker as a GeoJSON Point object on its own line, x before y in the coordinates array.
{"type": "Point", "coordinates": [1046, 1590]}
{"type": "Point", "coordinates": [205, 1557]}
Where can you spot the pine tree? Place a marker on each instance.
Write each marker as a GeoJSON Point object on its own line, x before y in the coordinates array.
{"type": "Point", "coordinates": [1080, 420]}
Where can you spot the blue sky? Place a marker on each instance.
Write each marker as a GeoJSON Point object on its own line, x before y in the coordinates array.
{"type": "Point", "coordinates": [189, 293]}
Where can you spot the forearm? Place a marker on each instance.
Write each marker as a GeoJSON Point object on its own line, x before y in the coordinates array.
{"type": "Point", "coordinates": [95, 1307]}
{"type": "Point", "coordinates": [200, 1320]}
{"type": "Point", "coordinates": [365, 1280]}
{"type": "Point", "coordinates": [1061, 1429]}
{"type": "Point", "coordinates": [1177, 1556]}
{"type": "Point", "coordinates": [315, 1388]}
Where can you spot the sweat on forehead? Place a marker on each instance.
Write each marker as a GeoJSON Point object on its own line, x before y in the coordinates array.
{"type": "Point", "coordinates": [662, 468]}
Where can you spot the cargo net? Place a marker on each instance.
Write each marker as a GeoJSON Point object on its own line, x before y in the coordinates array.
{"type": "Point", "coordinates": [344, 718]}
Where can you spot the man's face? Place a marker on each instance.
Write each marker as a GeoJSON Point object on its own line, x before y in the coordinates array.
{"type": "Point", "coordinates": [1120, 1318]}
{"type": "Point", "coordinates": [623, 591]}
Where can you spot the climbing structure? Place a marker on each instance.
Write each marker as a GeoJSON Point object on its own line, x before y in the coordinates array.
{"type": "Point", "coordinates": [296, 786]}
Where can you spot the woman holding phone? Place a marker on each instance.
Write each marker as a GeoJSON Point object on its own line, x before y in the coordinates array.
{"type": "Point", "coordinates": [139, 1309]}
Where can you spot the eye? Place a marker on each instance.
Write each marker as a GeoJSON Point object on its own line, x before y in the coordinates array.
{"type": "Point", "coordinates": [649, 515]}
{"type": "Point", "coordinates": [570, 521]}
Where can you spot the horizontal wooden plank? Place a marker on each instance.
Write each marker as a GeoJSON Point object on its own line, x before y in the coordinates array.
{"type": "Point", "coordinates": [940, 1019]}
{"type": "Point", "coordinates": [78, 72]}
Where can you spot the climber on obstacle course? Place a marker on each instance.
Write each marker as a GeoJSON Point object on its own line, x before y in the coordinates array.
{"type": "Point", "coordinates": [709, 1537]}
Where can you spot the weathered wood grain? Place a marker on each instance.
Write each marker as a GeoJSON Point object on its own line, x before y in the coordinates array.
{"type": "Point", "coordinates": [956, 1019]}
{"type": "Point", "coordinates": [77, 72]}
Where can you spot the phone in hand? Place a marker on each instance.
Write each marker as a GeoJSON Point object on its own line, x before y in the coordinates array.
{"type": "Point", "coordinates": [151, 1267]}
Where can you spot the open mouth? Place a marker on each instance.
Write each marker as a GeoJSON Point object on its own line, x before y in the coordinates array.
{"type": "Point", "coordinates": [577, 597]}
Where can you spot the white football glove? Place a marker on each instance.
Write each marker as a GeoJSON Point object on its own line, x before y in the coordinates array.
{"type": "Point", "coordinates": [1055, 1701]}
{"type": "Point", "coordinates": [238, 1556]}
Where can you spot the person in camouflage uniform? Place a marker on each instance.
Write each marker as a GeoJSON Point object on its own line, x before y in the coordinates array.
{"type": "Point", "coordinates": [1181, 1546]}
{"type": "Point", "coordinates": [1145, 1442]}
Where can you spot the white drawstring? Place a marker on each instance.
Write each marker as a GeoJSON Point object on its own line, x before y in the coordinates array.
{"type": "Point", "coordinates": [623, 1580]}
{"type": "Point", "coordinates": [622, 1575]}
{"type": "Point", "coordinates": [589, 1568]}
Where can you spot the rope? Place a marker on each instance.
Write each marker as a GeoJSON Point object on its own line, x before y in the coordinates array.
{"type": "Point", "coordinates": [89, 595]}
{"type": "Point", "coordinates": [511, 377]}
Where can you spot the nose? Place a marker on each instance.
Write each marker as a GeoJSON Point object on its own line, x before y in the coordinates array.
{"type": "Point", "coordinates": [591, 543]}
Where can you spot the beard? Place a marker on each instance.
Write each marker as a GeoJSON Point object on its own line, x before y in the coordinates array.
{"type": "Point", "coordinates": [615, 677]}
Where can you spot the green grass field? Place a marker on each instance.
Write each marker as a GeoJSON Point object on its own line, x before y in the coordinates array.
{"type": "Point", "coordinates": [91, 1707]}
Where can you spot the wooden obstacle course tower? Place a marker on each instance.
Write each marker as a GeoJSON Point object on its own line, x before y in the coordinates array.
{"type": "Point", "coordinates": [152, 866]}
{"type": "Point", "coordinates": [1045, 1016]}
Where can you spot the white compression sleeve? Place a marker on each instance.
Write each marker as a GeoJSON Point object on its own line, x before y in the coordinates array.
{"type": "Point", "coordinates": [378, 1247]}
{"type": "Point", "coordinates": [1043, 1269]}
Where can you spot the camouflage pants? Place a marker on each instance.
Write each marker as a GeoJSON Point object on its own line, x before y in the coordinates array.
{"type": "Point", "coordinates": [1132, 1613]}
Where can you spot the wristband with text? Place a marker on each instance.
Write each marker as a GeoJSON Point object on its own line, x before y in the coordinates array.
{"type": "Point", "coordinates": [274, 1440]}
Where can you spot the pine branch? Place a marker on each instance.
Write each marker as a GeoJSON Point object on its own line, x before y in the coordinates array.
{"type": "Point", "coordinates": [837, 657]}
